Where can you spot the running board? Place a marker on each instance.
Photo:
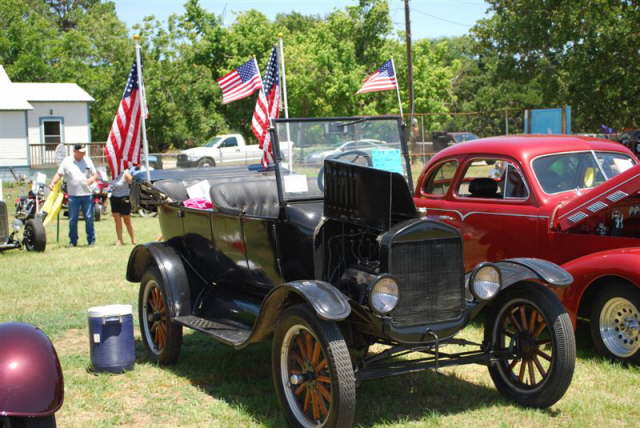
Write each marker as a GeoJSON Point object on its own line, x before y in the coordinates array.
{"type": "Point", "coordinates": [225, 333]}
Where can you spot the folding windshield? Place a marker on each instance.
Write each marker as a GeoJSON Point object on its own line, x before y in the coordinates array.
{"type": "Point", "coordinates": [306, 143]}
{"type": "Point", "coordinates": [578, 170]}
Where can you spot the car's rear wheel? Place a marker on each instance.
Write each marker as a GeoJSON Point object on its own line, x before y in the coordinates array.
{"type": "Point", "coordinates": [312, 370]}
{"type": "Point", "coordinates": [615, 322]}
{"type": "Point", "coordinates": [531, 324]}
{"type": "Point", "coordinates": [34, 236]}
{"type": "Point", "coordinates": [162, 337]}
{"type": "Point", "coordinates": [206, 162]}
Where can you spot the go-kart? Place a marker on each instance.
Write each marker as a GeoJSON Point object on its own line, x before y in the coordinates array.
{"type": "Point", "coordinates": [34, 237]}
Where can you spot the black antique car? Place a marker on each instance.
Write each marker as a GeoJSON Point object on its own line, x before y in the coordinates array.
{"type": "Point", "coordinates": [328, 260]}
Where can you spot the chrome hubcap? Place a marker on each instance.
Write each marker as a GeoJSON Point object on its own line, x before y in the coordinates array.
{"type": "Point", "coordinates": [620, 327]}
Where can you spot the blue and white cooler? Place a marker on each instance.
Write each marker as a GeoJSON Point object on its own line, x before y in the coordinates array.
{"type": "Point", "coordinates": [111, 338]}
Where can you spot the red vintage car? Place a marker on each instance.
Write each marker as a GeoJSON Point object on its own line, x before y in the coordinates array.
{"type": "Point", "coordinates": [571, 200]}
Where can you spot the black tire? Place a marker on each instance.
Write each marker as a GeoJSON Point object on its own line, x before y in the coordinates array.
{"type": "Point", "coordinates": [97, 212]}
{"type": "Point", "coordinates": [162, 338]}
{"type": "Point", "coordinates": [546, 344]}
{"type": "Point", "coordinates": [206, 163]}
{"type": "Point", "coordinates": [34, 236]}
{"type": "Point", "coordinates": [316, 349]}
{"type": "Point", "coordinates": [143, 212]}
{"type": "Point", "coordinates": [615, 322]}
{"type": "Point", "coordinates": [26, 422]}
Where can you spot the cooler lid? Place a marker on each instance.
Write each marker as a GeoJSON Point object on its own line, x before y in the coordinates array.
{"type": "Point", "coordinates": [109, 311]}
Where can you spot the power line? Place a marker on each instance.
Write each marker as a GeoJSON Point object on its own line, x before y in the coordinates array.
{"type": "Point", "coordinates": [442, 19]}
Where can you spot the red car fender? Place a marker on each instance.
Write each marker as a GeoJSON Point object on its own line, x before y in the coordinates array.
{"type": "Point", "coordinates": [31, 382]}
{"type": "Point", "coordinates": [622, 263]}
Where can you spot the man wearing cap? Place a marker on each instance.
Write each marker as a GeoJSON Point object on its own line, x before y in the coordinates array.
{"type": "Point", "coordinates": [79, 174]}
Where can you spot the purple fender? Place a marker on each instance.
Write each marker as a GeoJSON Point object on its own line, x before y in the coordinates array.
{"type": "Point", "coordinates": [31, 382]}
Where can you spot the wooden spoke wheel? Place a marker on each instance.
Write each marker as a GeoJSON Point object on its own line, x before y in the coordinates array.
{"type": "Point", "coordinates": [312, 370]}
{"type": "Point", "coordinates": [162, 337]}
{"type": "Point", "coordinates": [532, 332]}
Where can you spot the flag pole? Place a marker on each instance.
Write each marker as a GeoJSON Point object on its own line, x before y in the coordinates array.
{"type": "Point", "coordinates": [143, 106]}
{"type": "Point", "coordinates": [393, 64]}
{"type": "Point", "coordinates": [283, 76]}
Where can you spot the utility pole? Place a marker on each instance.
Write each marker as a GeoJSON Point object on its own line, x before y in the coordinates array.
{"type": "Point", "coordinates": [412, 131]}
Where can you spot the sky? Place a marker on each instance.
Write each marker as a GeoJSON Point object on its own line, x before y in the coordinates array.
{"type": "Point", "coordinates": [429, 18]}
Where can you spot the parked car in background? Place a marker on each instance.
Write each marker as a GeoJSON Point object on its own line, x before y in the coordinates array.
{"type": "Point", "coordinates": [155, 161]}
{"type": "Point", "coordinates": [571, 200]}
{"type": "Point", "coordinates": [442, 140]}
{"type": "Point", "coordinates": [327, 272]}
{"type": "Point", "coordinates": [349, 146]}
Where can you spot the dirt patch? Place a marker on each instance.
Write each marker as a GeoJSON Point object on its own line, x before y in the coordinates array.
{"type": "Point", "coordinates": [74, 341]}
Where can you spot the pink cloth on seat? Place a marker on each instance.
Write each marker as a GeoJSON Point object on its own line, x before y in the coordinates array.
{"type": "Point", "coordinates": [198, 203]}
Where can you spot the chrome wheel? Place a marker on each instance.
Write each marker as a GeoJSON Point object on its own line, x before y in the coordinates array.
{"type": "Point", "coordinates": [620, 327]}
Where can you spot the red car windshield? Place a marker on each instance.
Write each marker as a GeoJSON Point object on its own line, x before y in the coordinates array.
{"type": "Point", "coordinates": [578, 170]}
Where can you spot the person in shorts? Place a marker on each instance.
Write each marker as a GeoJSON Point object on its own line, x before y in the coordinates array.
{"type": "Point", "coordinates": [121, 206]}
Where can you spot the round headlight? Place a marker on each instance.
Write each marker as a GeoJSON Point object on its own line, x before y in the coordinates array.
{"type": "Point", "coordinates": [384, 295]}
{"type": "Point", "coordinates": [485, 282]}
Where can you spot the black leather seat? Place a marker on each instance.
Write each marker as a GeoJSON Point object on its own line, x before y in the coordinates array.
{"type": "Point", "coordinates": [255, 198]}
{"type": "Point", "coordinates": [483, 187]}
{"type": "Point", "coordinates": [174, 189]}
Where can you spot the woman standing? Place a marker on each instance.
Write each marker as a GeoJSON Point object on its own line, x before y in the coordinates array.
{"type": "Point", "coordinates": [121, 206]}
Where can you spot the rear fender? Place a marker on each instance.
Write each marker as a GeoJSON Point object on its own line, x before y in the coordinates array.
{"type": "Point", "coordinates": [326, 300]}
{"type": "Point", "coordinates": [172, 270]}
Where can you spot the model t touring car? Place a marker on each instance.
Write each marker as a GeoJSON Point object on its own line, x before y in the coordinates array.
{"type": "Point", "coordinates": [330, 259]}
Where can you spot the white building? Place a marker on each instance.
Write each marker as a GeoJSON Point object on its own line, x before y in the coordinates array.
{"type": "Point", "coordinates": [36, 117]}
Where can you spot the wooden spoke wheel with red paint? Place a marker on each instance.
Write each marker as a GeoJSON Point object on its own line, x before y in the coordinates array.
{"type": "Point", "coordinates": [532, 333]}
{"type": "Point", "coordinates": [162, 338]}
{"type": "Point", "coordinates": [312, 370]}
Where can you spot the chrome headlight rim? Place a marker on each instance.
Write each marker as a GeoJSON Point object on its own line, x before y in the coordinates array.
{"type": "Point", "coordinates": [474, 275]}
{"type": "Point", "coordinates": [377, 284]}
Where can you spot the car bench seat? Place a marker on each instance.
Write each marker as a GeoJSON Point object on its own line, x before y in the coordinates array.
{"type": "Point", "coordinates": [254, 198]}
{"type": "Point", "coordinates": [484, 187]}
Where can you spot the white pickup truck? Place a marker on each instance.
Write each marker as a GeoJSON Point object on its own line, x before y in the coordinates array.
{"type": "Point", "coordinates": [221, 149]}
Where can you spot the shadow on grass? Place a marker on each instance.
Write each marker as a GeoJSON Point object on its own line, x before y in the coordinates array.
{"type": "Point", "coordinates": [243, 380]}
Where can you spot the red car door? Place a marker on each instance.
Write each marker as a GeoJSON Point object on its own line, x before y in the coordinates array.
{"type": "Point", "coordinates": [489, 201]}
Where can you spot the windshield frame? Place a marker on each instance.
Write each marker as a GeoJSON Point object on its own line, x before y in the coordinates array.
{"type": "Point", "coordinates": [349, 120]}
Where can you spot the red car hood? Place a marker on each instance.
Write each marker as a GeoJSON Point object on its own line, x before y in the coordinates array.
{"type": "Point", "coordinates": [568, 215]}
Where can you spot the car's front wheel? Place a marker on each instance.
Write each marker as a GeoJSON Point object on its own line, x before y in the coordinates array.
{"type": "Point", "coordinates": [161, 336]}
{"type": "Point", "coordinates": [531, 327]}
{"type": "Point", "coordinates": [312, 370]}
{"type": "Point", "coordinates": [615, 322]}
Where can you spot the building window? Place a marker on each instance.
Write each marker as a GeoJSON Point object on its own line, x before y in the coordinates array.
{"type": "Point", "coordinates": [52, 133]}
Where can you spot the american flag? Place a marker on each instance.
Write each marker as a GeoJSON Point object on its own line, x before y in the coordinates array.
{"type": "Point", "coordinates": [267, 107]}
{"type": "Point", "coordinates": [241, 82]}
{"type": "Point", "coordinates": [383, 79]}
{"type": "Point", "coordinates": [125, 143]}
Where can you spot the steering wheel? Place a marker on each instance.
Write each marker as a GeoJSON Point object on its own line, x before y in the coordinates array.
{"type": "Point", "coordinates": [357, 157]}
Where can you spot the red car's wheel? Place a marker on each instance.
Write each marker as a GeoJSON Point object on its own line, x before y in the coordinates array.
{"type": "Point", "coordinates": [161, 336]}
{"type": "Point", "coordinates": [615, 322]}
{"type": "Point", "coordinates": [531, 323]}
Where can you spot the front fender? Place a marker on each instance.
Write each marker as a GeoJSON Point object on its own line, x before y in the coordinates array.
{"type": "Point", "coordinates": [526, 269]}
{"type": "Point", "coordinates": [326, 300]}
{"type": "Point", "coordinates": [174, 275]}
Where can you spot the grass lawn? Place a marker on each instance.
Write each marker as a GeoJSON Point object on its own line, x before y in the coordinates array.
{"type": "Point", "coordinates": [213, 385]}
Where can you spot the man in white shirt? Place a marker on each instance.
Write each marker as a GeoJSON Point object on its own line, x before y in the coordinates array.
{"type": "Point", "coordinates": [79, 174]}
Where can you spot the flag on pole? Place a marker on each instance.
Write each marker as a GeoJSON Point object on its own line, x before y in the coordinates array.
{"type": "Point", "coordinates": [267, 107]}
{"type": "Point", "coordinates": [124, 143]}
{"type": "Point", "coordinates": [383, 79]}
{"type": "Point", "coordinates": [241, 82]}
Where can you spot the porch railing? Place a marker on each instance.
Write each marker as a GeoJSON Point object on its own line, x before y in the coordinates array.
{"type": "Point", "coordinates": [44, 155]}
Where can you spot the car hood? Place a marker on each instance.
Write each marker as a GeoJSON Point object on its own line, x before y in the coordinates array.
{"type": "Point", "coordinates": [196, 151]}
{"type": "Point", "coordinates": [567, 215]}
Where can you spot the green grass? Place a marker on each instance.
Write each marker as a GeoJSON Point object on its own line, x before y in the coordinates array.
{"type": "Point", "coordinates": [213, 385]}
